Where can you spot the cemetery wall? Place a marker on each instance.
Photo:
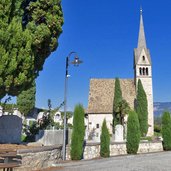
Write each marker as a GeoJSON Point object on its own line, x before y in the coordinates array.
{"type": "Point", "coordinates": [52, 137]}
{"type": "Point", "coordinates": [39, 157]}
{"type": "Point", "coordinates": [92, 150]}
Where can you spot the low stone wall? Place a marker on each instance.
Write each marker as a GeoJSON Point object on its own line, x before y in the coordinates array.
{"type": "Point", "coordinates": [92, 150]}
{"type": "Point", "coordinates": [39, 157]}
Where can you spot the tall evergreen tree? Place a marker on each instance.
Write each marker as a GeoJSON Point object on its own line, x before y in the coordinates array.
{"type": "Point", "coordinates": [133, 133]}
{"type": "Point", "coordinates": [142, 109]}
{"type": "Point", "coordinates": [166, 130]}
{"type": "Point", "coordinates": [26, 99]}
{"type": "Point", "coordinates": [29, 31]}
{"type": "Point", "coordinates": [104, 141]}
{"type": "Point", "coordinates": [77, 139]}
{"type": "Point", "coordinates": [116, 101]}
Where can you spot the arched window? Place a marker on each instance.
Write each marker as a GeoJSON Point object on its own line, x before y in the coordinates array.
{"type": "Point", "coordinates": [146, 71]}
{"type": "Point", "coordinates": [143, 71]}
{"type": "Point", "coordinates": [140, 70]}
{"type": "Point", "coordinates": [143, 58]}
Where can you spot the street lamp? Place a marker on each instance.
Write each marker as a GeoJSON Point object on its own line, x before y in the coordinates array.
{"type": "Point", "coordinates": [75, 62]}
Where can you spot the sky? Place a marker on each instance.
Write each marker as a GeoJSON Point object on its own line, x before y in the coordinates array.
{"type": "Point", "coordinates": [104, 34]}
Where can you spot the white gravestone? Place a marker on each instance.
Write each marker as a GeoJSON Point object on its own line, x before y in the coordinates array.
{"type": "Point", "coordinates": [118, 133]}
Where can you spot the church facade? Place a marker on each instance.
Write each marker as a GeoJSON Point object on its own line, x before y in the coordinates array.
{"type": "Point", "coordinates": [101, 91]}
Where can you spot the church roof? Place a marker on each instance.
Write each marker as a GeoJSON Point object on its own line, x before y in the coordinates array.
{"type": "Point", "coordinates": [101, 94]}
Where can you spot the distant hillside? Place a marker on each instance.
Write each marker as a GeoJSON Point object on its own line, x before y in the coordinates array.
{"type": "Point", "coordinates": [160, 107]}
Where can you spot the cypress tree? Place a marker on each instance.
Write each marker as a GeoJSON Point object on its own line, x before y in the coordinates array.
{"type": "Point", "coordinates": [29, 32]}
{"type": "Point", "coordinates": [142, 109]}
{"type": "Point", "coordinates": [166, 130]}
{"type": "Point", "coordinates": [133, 133]}
{"type": "Point", "coordinates": [104, 141]}
{"type": "Point", "coordinates": [116, 101]}
{"type": "Point", "coordinates": [26, 100]}
{"type": "Point", "coordinates": [77, 139]}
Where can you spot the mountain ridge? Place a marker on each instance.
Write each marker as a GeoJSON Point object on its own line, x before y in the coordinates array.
{"type": "Point", "coordinates": [160, 107]}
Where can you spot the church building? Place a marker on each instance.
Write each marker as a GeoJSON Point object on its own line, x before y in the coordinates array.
{"type": "Point", "coordinates": [101, 91]}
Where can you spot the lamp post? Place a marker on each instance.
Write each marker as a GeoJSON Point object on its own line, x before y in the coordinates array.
{"type": "Point", "coordinates": [75, 62]}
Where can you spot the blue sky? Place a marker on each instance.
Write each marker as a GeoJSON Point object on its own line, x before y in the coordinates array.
{"type": "Point", "coordinates": [104, 34]}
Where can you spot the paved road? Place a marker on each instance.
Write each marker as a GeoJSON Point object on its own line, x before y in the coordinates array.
{"type": "Point", "coordinates": [144, 162]}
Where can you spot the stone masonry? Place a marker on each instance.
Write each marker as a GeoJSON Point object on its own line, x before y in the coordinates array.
{"type": "Point", "coordinates": [92, 150]}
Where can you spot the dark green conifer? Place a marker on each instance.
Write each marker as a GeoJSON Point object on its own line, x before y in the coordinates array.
{"type": "Point", "coordinates": [166, 130]}
{"type": "Point", "coordinates": [104, 141]}
{"type": "Point", "coordinates": [133, 133]}
{"type": "Point", "coordinates": [142, 109]}
{"type": "Point", "coordinates": [77, 139]}
{"type": "Point", "coordinates": [26, 100]}
{"type": "Point", "coordinates": [29, 32]}
{"type": "Point", "coordinates": [116, 101]}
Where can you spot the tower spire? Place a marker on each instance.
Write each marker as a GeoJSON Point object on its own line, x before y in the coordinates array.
{"type": "Point", "coordinates": [141, 38]}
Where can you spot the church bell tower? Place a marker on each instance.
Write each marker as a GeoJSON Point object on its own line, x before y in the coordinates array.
{"type": "Point", "coordinates": [143, 71]}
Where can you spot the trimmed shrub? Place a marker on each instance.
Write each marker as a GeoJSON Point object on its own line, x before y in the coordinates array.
{"type": "Point", "coordinates": [104, 141]}
{"type": "Point", "coordinates": [142, 109]}
{"type": "Point", "coordinates": [77, 139]}
{"type": "Point", "coordinates": [133, 133]}
{"type": "Point", "coordinates": [166, 130]}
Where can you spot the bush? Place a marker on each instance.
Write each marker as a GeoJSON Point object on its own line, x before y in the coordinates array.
{"type": "Point", "coordinates": [157, 128]}
{"type": "Point", "coordinates": [166, 130]}
{"type": "Point", "coordinates": [133, 133]}
{"type": "Point", "coordinates": [77, 139]}
{"type": "Point", "coordinates": [104, 141]}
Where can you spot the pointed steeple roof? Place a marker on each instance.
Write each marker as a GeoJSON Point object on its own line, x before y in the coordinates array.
{"type": "Point", "coordinates": [141, 38]}
{"type": "Point", "coordinates": [141, 43]}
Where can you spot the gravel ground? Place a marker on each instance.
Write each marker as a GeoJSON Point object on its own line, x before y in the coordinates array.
{"type": "Point", "coordinates": [143, 162]}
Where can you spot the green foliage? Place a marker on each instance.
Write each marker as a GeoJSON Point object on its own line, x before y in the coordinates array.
{"type": "Point", "coordinates": [8, 107]}
{"type": "Point", "coordinates": [26, 100]}
{"type": "Point", "coordinates": [68, 115]}
{"type": "Point", "coordinates": [158, 120]}
{"type": "Point", "coordinates": [23, 138]}
{"type": "Point", "coordinates": [30, 131]}
{"type": "Point", "coordinates": [116, 101]}
{"type": "Point", "coordinates": [122, 109]}
{"type": "Point", "coordinates": [166, 130]}
{"type": "Point", "coordinates": [146, 138]}
{"type": "Point", "coordinates": [142, 109]}
{"type": "Point", "coordinates": [29, 31]}
{"type": "Point", "coordinates": [77, 139]}
{"type": "Point", "coordinates": [157, 128]}
{"type": "Point", "coordinates": [104, 141]}
{"type": "Point", "coordinates": [133, 133]}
